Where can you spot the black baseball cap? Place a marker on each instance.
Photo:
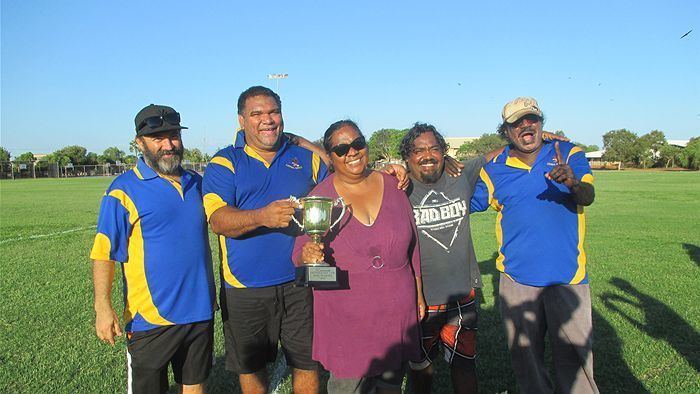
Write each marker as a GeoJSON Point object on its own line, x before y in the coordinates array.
{"type": "Point", "coordinates": [154, 119]}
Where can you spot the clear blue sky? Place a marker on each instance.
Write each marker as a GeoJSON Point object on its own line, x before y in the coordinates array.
{"type": "Point", "coordinates": [76, 72]}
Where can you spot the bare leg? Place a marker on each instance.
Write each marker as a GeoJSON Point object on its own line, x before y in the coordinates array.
{"type": "Point", "coordinates": [254, 383]}
{"type": "Point", "coordinates": [192, 388]}
{"type": "Point", "coordinates": [305, 381]}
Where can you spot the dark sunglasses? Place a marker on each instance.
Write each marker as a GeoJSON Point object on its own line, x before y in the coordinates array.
{"type": "Point", "coordinates": [172, 118]}
{"type": "Point", "coordinates": [532, 118]}
{"type": "Point", "coordinates": [343, 149]}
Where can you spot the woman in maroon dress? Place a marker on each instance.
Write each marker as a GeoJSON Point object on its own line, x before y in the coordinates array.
{"type": "Point", "coordinates": [367, 331]}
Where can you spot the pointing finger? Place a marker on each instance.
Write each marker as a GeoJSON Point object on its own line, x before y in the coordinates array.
{"type": "Point", "coordinates": [557, 153]}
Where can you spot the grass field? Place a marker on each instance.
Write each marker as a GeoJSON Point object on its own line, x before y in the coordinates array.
{"type": "Point", "coordinates": [643, 248]}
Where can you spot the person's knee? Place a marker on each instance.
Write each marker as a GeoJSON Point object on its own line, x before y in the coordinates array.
{"type": "Point", "coordinates": [254, 383]}
{"type": "Point", "coordinates": [305, 381]}
{"type": "Point", "coordinates": [192, 388]}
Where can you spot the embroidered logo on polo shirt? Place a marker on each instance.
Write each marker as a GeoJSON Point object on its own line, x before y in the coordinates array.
{"type": "Point", "coordinates": [294, 165]}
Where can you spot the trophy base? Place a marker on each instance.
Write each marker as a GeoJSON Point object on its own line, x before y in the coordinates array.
{"type": "Point", "coordinates": [318, 276]}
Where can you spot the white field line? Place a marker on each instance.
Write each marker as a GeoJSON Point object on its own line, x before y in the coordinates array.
{"type": "Point", "coordinates": [31, 237]}
{"type": "Point", "coordinates": [278, 374]}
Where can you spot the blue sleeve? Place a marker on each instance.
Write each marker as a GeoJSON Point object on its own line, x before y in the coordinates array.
{"type": "Point", "coordinates": [579, 165]}
{"type": "Point", "coordinates": [114, 226]}
{"type": "Point", "coordinates": [219, 184]}
{"type": "Point", "coordinates": [480, 198]}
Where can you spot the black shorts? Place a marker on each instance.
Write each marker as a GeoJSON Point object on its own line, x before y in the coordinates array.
{"type": "Point", "coordinates": [187, 347]}
{"type": "Point", "coordinates": [256, 320]}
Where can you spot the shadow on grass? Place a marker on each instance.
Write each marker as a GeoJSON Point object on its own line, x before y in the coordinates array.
{"type": "Point", "coordinates": [693, 252]}
{"type": "Point", "coordinates": [659, 322]}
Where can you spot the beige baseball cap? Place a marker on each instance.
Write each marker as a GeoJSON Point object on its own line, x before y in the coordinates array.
{"type": "Point", "coordinates": [520, 107]}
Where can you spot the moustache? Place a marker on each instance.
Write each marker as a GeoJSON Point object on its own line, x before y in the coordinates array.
{"type": "Point", "coordinates": [427, 161]}
{"type": "Point", "coordinates": [176, 152]}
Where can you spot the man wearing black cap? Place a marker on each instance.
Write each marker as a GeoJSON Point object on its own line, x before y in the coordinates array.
{"type": "Point", "coordinates": [152, 221]}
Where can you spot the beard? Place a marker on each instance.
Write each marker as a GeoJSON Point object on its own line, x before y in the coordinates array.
{"type": "Point", "coordinates": [430, 177]}
{"type": "Point", "coordinates": [164, 165]}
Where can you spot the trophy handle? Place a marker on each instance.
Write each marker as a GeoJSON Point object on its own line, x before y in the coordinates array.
{"type": "Point", "coordinates": [298, 202]}
{"type": "Point", "coordinates": [342, 211]}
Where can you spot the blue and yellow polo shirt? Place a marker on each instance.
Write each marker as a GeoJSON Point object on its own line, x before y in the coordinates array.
{"type": "Point", "coordinates": [539, 229]}
{"type": "Point", "coordinates": [157, 229]}
{"type": "Point", "coordinates": [240, 178]}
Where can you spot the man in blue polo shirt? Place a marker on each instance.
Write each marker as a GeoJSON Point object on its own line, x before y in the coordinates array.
{"type": "Point", "coordinates": [246, 198]}
{"type": "Point", "coordinates": [539, 190]}
{"type": "Point", "coordinates": [152, 221]}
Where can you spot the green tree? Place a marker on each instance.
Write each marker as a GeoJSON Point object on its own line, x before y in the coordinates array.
{"type": "Point", "coordinates": [70, 154]}
{"type": "Point", "coordinates": [4, 154]}
{"type": "Point", "coordinates": [195, 156]}
{"type": "Point", "coordinates": [691, 154]}
{"type": "Point", "coordinates": [134, 148]}
{"type": "Point", "coordinates": [130, 159]}
{"type": "Point", "coordinates": [484, 144]}
{"type": "Point", "coordinates": [91, 159]}
{"type": "Point", "coordinates": [112, 155]}
{"type": "Point", "coordinates": [671, 155]}
{"type": "Point", "coordinates": [25, 157]}
{"type": "Point", "coordinates": [649, 148]}
{"type": "Point", "coordinates": [620, 145]}
{"type": "Point", "coordinates": [384, 144]}
{"type": "Point", "coordinates": [587, 148]}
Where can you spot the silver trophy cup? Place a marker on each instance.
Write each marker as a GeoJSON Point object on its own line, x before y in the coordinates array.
{"type": "Point", "coordinates": [316, 223]}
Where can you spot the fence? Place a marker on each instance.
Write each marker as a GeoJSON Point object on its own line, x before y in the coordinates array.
{"type": "Point", "coordinates": [42, 169]}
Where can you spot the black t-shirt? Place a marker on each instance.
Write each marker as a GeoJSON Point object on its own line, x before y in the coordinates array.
{"type": "Point", "coordinates": [441, 211]}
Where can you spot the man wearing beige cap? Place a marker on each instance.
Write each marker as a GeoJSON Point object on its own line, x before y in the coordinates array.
{"type": "Point", "coordinates": [539, 189]}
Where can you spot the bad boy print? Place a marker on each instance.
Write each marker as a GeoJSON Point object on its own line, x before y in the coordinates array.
{"type": "Point", "coordinates": [438, 217]}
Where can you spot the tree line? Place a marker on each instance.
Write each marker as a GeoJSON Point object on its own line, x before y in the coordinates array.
{"type": "Point", "coordinates": [78, 155]}
{"type": "Point", "coordinates": [624, 146]}
{"type": "Point", "coordinates": [646, 151]}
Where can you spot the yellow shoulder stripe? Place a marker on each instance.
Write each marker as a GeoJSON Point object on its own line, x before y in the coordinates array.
{"type": "Point", "coordinates": [588, 178]}
{"type": "Point", "coordinates": [212, 202]}
{"type": "Point", "coordinates": [127, 203]}
{"type": "Point", "coordinates": [315, 166]}
{"type": "Point", "coordinates": [493, 202]}
{"type": "Point", "coordinates": [573, 150]}
{"type": "Point", "coordinates": [222, 161]}
{"type": "Point", "coordinates": [101, 248]}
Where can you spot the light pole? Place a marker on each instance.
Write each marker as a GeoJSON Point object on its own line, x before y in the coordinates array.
{"type": "Point", "coordinates": [277, 78]}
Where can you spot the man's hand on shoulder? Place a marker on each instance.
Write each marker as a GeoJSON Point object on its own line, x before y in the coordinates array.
{"type": "Point", "coordinates": [399, 172]}
{"type": "Point", "coordinates": [453, 167]}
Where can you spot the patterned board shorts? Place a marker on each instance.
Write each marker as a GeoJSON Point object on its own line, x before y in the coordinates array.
{"type": "Point", "coordinates": [454, 326]}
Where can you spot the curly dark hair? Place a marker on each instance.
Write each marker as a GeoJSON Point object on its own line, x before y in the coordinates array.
{"type": "Point", "coordinates": [333, 128]}
{"type": "Point", "coordinates": [406, 145]}
{"type": "Point", "coordinates": [503, 128]}
{"type": "Point", "coordinates": [256, 91]}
